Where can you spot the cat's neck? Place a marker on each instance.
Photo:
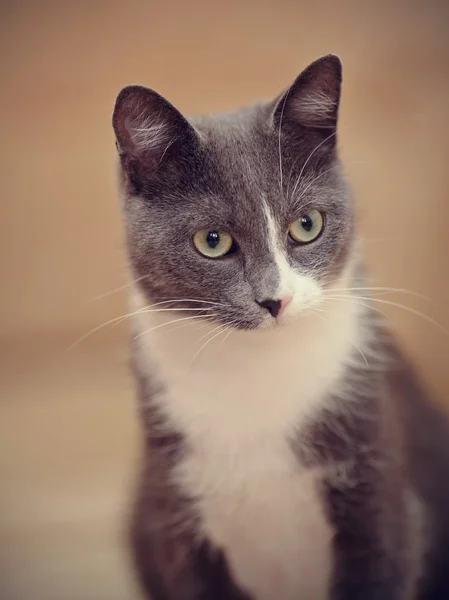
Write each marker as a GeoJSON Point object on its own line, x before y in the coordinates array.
{"type": "Point", "coordinates": [247, 382]}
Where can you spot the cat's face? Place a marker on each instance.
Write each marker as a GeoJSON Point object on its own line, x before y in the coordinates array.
{"type": "Point", "coordinates": [245, 215]}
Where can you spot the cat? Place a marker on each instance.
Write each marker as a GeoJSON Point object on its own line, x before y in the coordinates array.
{"type": "Point", "coordinates": [289, 452]}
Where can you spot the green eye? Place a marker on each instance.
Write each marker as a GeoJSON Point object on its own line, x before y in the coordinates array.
{"type": "Point", "coordinates": [307, 228]}
{"type": "Point", "coordinates": [213, 243]}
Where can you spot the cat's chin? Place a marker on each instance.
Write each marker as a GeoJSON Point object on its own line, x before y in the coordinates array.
{"type": "Point", "coordinates": [280, 322]}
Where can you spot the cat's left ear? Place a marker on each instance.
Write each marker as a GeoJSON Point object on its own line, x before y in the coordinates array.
{"type": "Point", "coordinates": [313, 99]}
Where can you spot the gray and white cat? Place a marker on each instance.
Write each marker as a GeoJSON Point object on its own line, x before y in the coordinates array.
{"type": "Point", "coordinates": [288, 450]}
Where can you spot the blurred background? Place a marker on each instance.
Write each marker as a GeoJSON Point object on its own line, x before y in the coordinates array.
{"type": "Point", "coordinates": [68, 429]}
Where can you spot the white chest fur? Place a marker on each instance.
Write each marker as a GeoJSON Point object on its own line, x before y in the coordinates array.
{"type": "Point", "coordinates": [267, 515]}
{"type": "Point", "coordinates": [237, 404]}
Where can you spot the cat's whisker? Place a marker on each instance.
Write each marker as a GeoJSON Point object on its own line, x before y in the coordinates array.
{"type": "Point", "coordinates": [207, 319]}
{"type": "Point", "coordinates": [390, 303]}
{"type": "Point", "coordinates": [357, 347]}
{"type": "Point", "coordinates": [150, 307]}
{"type": "Point", "coordinates": [315, 310]}
{"type": "Point", "coordinates": [165, 325]}
{"type": "Point", "coordinates": [370, 307]}
{"type": "Point", "coordinates": [119, 288]}
{"type": "Point", "coordinates": [144, 310]}
{"type": "Point", "coordinates": [199, 300]}
{"type": "Point", "coordinates": [382, 290]}
{"type": "Point", "coordinates": [333, 313]}
{"type": "Point", "coordinates": [118, 320]}
{"type": "Point", "coordinates": [208, 333]}
{"type": "Point", "coordinates": [223, 328]}
{"type": "Point", "coordinates": [231, 329]}
{"type": "Point", "coordinates": [339, 280]}
{"type": "Point", "coordinates": [171, 309]}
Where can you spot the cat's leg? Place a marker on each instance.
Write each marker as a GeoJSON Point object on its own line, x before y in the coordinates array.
{"type": "Point", "coordinates": [171, 564]}
{"type": "Point", "coordinates": [371, 558]}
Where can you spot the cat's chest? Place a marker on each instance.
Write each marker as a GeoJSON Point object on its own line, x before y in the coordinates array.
{"type": "Point", "coordinates": [266, 512]}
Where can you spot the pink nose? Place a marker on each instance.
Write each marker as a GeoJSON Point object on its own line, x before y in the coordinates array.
{"type": "Point", "coordinates": [285, 301]}
{"type": "Point", "coordinates": [276, 307]}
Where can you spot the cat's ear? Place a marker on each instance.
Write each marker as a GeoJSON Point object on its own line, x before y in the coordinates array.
{"type": "Point", "coordinates": [150, 132]}
{"type": "Point", "coordinates": [312, 100]}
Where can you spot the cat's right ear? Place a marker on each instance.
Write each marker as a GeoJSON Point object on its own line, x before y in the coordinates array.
{"type": "Point", "coordinates": [150, 133]}
{"type": "Point", "coordinates": [313, 99]}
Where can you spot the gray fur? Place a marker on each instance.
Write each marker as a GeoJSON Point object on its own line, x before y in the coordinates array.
{"type": "Point", "coordinates": [232, 164]}
{"type": "Point", "coordinates": [190, 173]}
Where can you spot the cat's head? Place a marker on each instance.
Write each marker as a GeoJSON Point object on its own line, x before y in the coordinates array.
{"type": "Point", "coordinates": [246, 213]}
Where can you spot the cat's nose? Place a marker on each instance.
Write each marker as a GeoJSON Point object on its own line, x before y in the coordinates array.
{"type": "Point", "coordinates": [275, 307]}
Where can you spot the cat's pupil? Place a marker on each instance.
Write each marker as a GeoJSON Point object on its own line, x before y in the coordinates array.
{"type": "Point", "coordinates": [306, 223]}
{"type": "Point", "coordinates": [213, 239]}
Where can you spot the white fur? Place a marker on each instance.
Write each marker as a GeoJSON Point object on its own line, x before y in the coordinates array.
{"type": "Point", "coordinates": [238, 399]}
{"type": "Point", "coordinates": [303, 289]}
{"type": "Point", "coordinates": [237, 404]}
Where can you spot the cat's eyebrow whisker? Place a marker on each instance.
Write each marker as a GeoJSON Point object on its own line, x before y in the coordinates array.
{"type": "Point", "coordinates": [389, 303]}
{"type": "Point", "coordinates": [303, 206]}
{"type": "Point", "coordinates": [309, 157]}
{"type": "Point", "coordinates": [279, 138]}
{"type": "Point", "coordinates": [304, 191]}
{"type": "Point", "coordinates": [287, 194]}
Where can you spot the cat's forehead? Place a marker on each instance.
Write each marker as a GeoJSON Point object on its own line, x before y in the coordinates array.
{"type": "Point", "coordinates": [237, 142]}
{"type": "Point", "coordinates": [240, 157]}
{"type": "Point", "coordinates": [245, 164]}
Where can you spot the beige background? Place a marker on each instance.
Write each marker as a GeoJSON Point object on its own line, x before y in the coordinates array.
{"type": "Point", "coordinates": [68, 434]}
